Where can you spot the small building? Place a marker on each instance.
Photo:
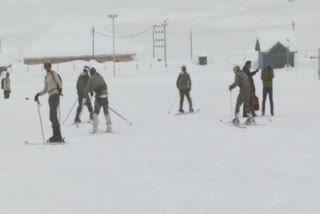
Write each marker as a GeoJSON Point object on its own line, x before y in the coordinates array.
{"type": "Point", "coordinates": [277, 48]}
{"type": "Point", "coordinates": [63, 59]}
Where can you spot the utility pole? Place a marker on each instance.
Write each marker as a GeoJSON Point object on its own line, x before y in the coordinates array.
{"type": "Point", "coordinates": [293, 25]}
{"type": "Point", "coordinates": [113, 16]}
{"type": "Point", "coordinates": [153, 42]}
{"type": "Point", "coordinates": [318, 57]}
{"type": "Point", "coordinates": [93, 34]}
{"type": "Point", "coordinates": [191, 44]}
{"type": "Point", "coordinates": [164, 25]}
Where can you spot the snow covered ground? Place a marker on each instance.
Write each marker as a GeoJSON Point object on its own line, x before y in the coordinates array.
{"type": "Point", "coordinates": [163, 163]}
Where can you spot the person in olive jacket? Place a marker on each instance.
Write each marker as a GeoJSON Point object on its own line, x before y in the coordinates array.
{"type": "Point", "coordinates": [267, 76]}
{"type": "Point", "coordinates": [184, 86]}
{"type": "Point", "coordinates": [81, 87]}
{"type": "Point", "coordinates": [243, 82]}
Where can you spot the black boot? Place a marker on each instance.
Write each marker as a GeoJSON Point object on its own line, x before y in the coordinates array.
{"type": "Point", "coordinates": [77, 119]}
{"type": "Point", "coordinates": [181, 108]}
{"type": "Point", "coordinates": [56, 138]}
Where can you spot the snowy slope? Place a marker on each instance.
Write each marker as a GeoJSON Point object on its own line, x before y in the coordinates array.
{"type": "Point", "coordinates": [165, 164]}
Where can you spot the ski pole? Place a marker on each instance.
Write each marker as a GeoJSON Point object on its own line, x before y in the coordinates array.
{"type": "Point", "coordinates": [121, 116]}
{"type": "Point", "coordinates": [38, 104]}
{"type": "Point", "coordinates": [70, 111]}
{"type": "Point", "coordinates": [231, 104]}
{"type": "Point", "coordinates": [175, 101]}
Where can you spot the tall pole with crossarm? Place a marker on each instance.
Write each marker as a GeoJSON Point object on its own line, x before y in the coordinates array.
{"type": "Point", "coordinates": [113, 16]}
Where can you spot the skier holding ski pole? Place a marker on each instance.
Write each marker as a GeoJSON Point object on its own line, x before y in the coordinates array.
{"type": "Point", "coordinates": [242, 80]}
{"type": "Point", "coordinates": [98, 85]}
{"type": "Point", "coordinates": [53, 86]}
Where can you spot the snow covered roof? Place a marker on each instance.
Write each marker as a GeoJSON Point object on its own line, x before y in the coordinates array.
{"type": "Point", "coordinates": [268, 39]}
{"type": "Point", "coordinates": [69, 40]}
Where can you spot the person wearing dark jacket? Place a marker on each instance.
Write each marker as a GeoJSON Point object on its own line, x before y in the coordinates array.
{"type": "Point", "coordinates": [81, 87]}
{"type": "Point", "coordinates": [98, 85]}
{"type": "Point", "coordinates": [246, 69]}
{"type": "Point", "coordinates": [242, 81]}
{"type": "Point", "coordinates": [6, 86]}
{"type": "Point", "coordinates": [267, 76]}
{"type": "Point", "coordinates": [184, 86]}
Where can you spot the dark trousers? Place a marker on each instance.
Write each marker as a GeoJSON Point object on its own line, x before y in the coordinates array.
{"type": "Point", "coordinates": [54, 101]}
{"type": "Point", "coordinates": [101, 103]}
{"type": "Point", "coordinates": [185, 93]}
{"type": "Point", "coordinates": [267, 91]}
{"type": "Point", "coordinates": [6, 94]}
{"type": "Point", "coordinates": [245, 111]}
{"type": "Point", "coordinates": [80, 106]}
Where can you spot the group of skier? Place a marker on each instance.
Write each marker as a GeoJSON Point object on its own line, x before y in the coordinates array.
{"type": "Point", "coordinates": [90, 83]}
{"type": "Point", "coordinates": [247, 95]}
{"type": "Point", "coordinates": [87, 86]}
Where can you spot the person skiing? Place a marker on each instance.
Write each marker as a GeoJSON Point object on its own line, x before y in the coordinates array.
{"type": "Point", "coordinates": [184, 86]}
{"type": "Point", "coordinates": [246, 68]}
{"type": "Point", "coordinates": [81, 87]}
{"type": "Point", "coordinates": [98, 85]}
{"type": "Point", "coordinates": [6, 86]}
{"type": "Point", "coordinates": [267, 76]}
{"type": "Point", "coordinates": [53, 86]}
{"type": "Point", "coordinates": [243, 82]}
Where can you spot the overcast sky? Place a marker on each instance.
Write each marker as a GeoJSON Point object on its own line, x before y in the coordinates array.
{"type": "Point", "coordinates": [24, 21]}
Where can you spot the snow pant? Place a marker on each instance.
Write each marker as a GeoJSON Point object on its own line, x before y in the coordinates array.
{"type": "Point", "coordinates": [245, 111]}
{"type": "Point", "coordinates": [6, 94]}
{"type": "Point", "coordinates": [104, 104]}
{"type": "Point", "coordinates": [80, 106]}
{"type": "Point", "coordinates": [54, 101]}
{"type": "Point", "coordinates": [243, 98]}
{"type": "Point", "coordinates": [267, 91]}
{"type": "Point", "coordinates": [185, 93]}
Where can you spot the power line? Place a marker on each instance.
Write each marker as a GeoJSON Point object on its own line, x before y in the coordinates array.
{"type": "Point", "coordinates": [124, 37]}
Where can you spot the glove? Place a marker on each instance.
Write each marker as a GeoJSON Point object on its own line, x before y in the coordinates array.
{"type": "Point", "coordinates": [91, 93]}
{"type": "Point", "coordinates": [60, 91]}
{"type": "Point", "coordinates": [257, 70]}
{"type": "Point", "coordinates": [230, 87]}
{"type": "Point", "coordinates": [36, 98]}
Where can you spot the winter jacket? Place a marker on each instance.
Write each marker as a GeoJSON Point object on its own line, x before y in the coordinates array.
{"type": "Point", "coordinates": [6, 84]}
{"type": "Point", "coordinates": [52, 84]}
{"type": "Point", "coordinates": [250, 76]}
{"type": "Point", "coordinates": [184, 81]}
{"type": "Point", "coordinates": [82, 83]}
{"type": "Point", "coordinates": [96, 84]}
{"type": "Point", "coordinates": [241, 80]}
{"type": "Point", "coordinates": [267, 76]}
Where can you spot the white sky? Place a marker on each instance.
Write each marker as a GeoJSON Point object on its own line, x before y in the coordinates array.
{"type": "Point", "coordinates": [24, 21]}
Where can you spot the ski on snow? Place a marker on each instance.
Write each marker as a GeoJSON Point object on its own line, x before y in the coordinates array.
{"type": "Point", "coordinates": [232, 124]}
{"type": "Point", "coordinates": [241, 125]}
{"type": "Point", "coordinates": [185, 113]}
{"type": "Point", "coordinates": [46, 143]}
{"type": "Point", "coordinates": [78, 124]}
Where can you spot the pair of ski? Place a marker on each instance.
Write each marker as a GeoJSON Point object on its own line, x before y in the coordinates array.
{"type": "Point", "coordinates": [76, 124]}
{"type": "Point", "coordinates": [186, 113]}
{"type": "Point", "coordinates": [46, 143]}
{"type": "Point", "coordinates": [241, 125]}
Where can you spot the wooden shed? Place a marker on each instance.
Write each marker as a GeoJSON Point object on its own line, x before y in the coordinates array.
{"type": "Point", "coordinates": [278, 48]}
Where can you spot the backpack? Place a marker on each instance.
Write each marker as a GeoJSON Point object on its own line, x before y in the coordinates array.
{"type": "Point", "coordinates": [2, 83]}
{"type": "Point", "coordinates": [256, 105]}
